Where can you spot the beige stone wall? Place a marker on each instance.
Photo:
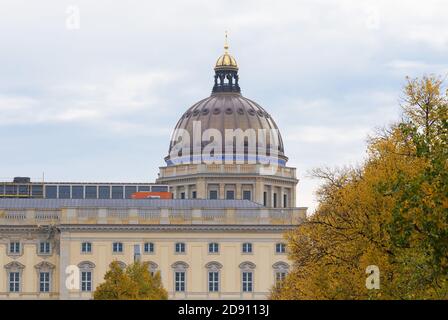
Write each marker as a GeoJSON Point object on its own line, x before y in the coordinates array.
{"type": "Point", "coordinates": [230, 256]}
{"type": "Point", "coordinates": [29, 275]}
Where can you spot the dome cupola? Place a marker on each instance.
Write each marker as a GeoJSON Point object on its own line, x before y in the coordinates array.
{"type": "Point", "coordinates": [226, 109]}
{"type": "Point", "coordinates": [226, 72]}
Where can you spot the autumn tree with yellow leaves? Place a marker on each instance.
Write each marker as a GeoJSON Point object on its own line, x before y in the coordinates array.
{"type": "Point", "coordinates": [391, 212]}
{"type": "Point", "coordinates": [133, 283]}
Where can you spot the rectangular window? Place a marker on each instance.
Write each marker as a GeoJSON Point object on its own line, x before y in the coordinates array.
{"type": "Point", "coordinates": [265, 198]}
{"type": "Point", "coordinates": [86, 281]}
{"type": "Point", "coordinates": [230, 195]}
{"type": "Point", "coordinates": [91, 192]}
{"type": "Point", "coordinates": [44, 281]}
{"type": "Point", "coordinates": [14, 247]}
{"type": "Point", "coordinates": [213, 195]}
{"type": "Point", "coordinates": [117, 247]}
{"type": "Point", "coordinates": [144, 188]}
{"type": "Point", "coordinates": [14, 281]}
{"type": "Point", "coordinates": [117, 192]}
{"type": "Point", "coordinates": [44, 247]}
{"type": "Point", "coordinates": [285, 201]}
{"type": "Point", "coordinates": [86, 247]}
{"type": "Point", "coordinates": [77, 192]}
{"type": "Point", "coordinates": [275, 200]}
{"type": "Point", "coordinates": [182, 195]}
{"type": "Point", "coordinates": [213, 281]}
{"type": "Point", "coordinates": [149, 247]}
{"type": "Point", "coordinates": [64, 192]}
{"type": "Point", "coordinates": [104, 192]}
{"type": "Point", "coordinates": [179, 277]}
{"type": "Point", "coordinates": [129, 190]}
{"type": "Point", "coordinates": [247, 195]}
{"type": "Point", "coordinates": [11, 190]}
{"type": "Point", "coordinates": [279, 278]}
{"type": "Point", "coordinates": [37, 191]}
{"type": "Point", "coordinates": [180, 247]}
{"type": "Point", "coordinates": [159, 188]}
{"type": "Point", "coordinates": [247, 247]}
{"type": "Point", "coordinates": [24, 190]}
{"type": "Point", "coordinates": [194, 195]}
{"type": "Point", "coordinates": [213, 247]}
{"type": "Point", "coordinates": [247, 281]}
{"type": "Point", "coordinates": [280, 248]}
{"type": "Point", "coordinates": [51, 192]}
{"type": "Point", "coordinates": [2, 189]}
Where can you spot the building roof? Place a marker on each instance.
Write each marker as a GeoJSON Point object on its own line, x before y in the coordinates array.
{"type": "Point", "coordinates": [125, 203]}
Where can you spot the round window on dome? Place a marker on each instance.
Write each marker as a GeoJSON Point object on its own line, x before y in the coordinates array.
{"type": "Point", "coordinates": [205, 111]}
{"type": "Point", "coordinates": [240, 111]}
{"type": "Point", "coordinates": [216, 111]}
{"type": "Point", "coordinates": [251, 112]}
{"type": "Point", "coordinates": [196, 112]}
{"type": "Point", "coordinates": [229, 110]}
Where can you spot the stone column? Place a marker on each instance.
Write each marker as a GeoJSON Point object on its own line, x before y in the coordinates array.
{"type": "Point", "coordinates": [258, 191]}
{"type": "Point", "coordinates": [281, 202]}
{"type": "Point", "coordinates": [174, 191]}
{"type": "Point", "coordinates": [64, 261]}
{"type": "Point", "coordinates": [222, 191]}
{"type": "Point", "coordinates": [238, 193]}
{"type": "Point", "coordinates": [292, 201]}
{"type": "Point", "coordinates": [187, 191]}
{"type": "Point", "coordinates": [201, 189]}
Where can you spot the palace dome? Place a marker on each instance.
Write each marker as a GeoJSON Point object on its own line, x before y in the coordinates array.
{"type": "Point", "coordinates": [226, 109]}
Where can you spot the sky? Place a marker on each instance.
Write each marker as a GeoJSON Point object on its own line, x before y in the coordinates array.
{"type": "Point", "coordinates": [91, 90]}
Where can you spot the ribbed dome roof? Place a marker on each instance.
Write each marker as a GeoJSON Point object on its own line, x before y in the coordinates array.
{"type": "Point", "coordinates": [227, 110]}
{"type": "Point", "coordinates": [226, 61]}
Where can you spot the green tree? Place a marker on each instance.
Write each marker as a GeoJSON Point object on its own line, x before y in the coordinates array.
{"type": "Point", "coordinates": [133, 283]}
{"type": "Point", "coordinates": [392, 212]}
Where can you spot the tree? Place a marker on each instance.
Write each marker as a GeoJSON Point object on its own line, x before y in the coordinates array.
{"type": "Point", "coordinates": [133, 283]}
{"type": "Point", "coordinates": [392, 212]}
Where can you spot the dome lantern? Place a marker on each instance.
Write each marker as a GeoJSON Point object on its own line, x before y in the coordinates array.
{"type": "Point", "coordinates": [226, 72]}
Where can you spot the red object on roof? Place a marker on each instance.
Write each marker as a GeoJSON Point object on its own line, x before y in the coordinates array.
{"type": "Point", "coordinates": [152, 195]}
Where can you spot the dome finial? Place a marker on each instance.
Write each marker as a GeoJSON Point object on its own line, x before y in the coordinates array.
{"type": "Point", "coordinates": [226, 44]}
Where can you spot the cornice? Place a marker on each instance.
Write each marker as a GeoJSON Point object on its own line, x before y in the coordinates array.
{"type": "Point", "coordinates": [225, 175]}
{"type": "Point", "coordinates": [175, 228]}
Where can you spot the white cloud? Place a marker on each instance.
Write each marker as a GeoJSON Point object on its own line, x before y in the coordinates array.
{"type": "Point", "coordinates": [98, 104]}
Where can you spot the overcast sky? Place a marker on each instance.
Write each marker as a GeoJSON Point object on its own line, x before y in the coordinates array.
{"type": "Point", "coordinates": [98, 102]}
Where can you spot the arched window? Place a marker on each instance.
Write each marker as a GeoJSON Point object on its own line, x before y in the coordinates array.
{"type": "Point", "coordinates": [281, 269]}
{"type": "Point", "coordinates": [180, 276]}
{"type": "Point", "coordinates": [213, 276]}
{"type": "Point", "coordinates": [44, 276]}
{"type": "Point", "coordinates": [86, 275]}
{"type": "Point", "coordinates": [247, 276]}
{"type": "Point", "coordinates": [121, 264]}
{"type": "Point", "coordinates": [152, 267]}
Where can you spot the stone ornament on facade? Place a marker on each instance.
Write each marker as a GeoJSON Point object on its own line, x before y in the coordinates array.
{"type": "Point", "coordinates": [213, 266]}
{"type": "Point", "coordinates": [14, 266]}
{"type": "Point", "coordinates": [247, 265]}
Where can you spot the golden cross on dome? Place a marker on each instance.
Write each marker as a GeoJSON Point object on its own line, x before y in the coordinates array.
{"type": "Point", "coordinates": [226, 44]}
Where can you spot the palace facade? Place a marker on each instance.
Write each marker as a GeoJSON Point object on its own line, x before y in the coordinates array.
{"type": "Point", "coordinates": [220, 237]}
